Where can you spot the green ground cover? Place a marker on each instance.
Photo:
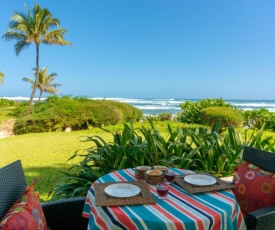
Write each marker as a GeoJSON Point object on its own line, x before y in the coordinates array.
{"type": "Point", "coordinates": [43, 155]}
{"type": "Point", "coordinates": [4, 113]}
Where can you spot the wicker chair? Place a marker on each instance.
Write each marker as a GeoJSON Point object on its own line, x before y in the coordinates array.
{"type": "Point", "coordinates": [63, 214]}
{"type": "Point", "coordinates": [263, 219]}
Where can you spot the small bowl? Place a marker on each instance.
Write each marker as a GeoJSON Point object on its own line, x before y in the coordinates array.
{"type": "Point", "coordinates": [140, 171]}
{"type": "Point", "coordinates": [161, 168]}
{"type": "Point", "coordinates": [153, 176]}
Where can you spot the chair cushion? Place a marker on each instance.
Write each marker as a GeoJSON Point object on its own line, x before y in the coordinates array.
{"type": "Point", "coordinates": [254, 187]}
{"type": "Point", "coordinates": [26, 213]}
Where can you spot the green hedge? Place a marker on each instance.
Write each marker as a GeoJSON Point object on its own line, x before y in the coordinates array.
{"type": "Point", "coordinates": [229, 117]}
{"type": "Point", "coordinates": [56, 114]}
{"type": "Point", "coordinates": [191, 110]}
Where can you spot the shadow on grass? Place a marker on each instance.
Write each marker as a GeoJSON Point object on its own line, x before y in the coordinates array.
{"type": "Point", "coordinates": [47, 178]}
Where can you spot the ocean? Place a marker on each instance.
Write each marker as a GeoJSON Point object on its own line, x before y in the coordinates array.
{"type": "Point", "coordinates": [150, 106]}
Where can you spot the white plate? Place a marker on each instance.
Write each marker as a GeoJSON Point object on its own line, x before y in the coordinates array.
{"type": "Point", "coordinates": [200, 179]}
{"type": "Point", "coordinates": [122, 190]}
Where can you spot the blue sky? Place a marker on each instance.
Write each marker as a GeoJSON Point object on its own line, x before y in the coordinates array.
{"type": "Point", "coordinates": [151, 49]}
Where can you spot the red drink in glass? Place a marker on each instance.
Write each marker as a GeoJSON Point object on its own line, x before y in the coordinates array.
{"type": "Point", "coordinates": [162, 190]}
{"type": "Point", "coordinates": [169, 177]}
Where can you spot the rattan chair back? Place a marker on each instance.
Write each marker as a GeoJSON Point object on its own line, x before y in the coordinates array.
{"type": "Point", "coordinates": [260, 158]}
{"type": "Point", "coordinates": [12, 185]}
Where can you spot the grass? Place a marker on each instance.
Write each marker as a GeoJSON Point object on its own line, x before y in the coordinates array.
{"type": "Point", "coordinates": [44, 155]}
{"type": "Point", "coordinates": [4, 113]}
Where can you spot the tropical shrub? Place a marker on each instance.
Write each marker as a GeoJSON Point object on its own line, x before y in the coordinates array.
{"type": "Point", "coordinates": [159, 117]}
{"type": "Point", "coordinates": [197, 149]}
{"type": "Point", "coordinates": [165, 116]}
{"type": "Point", "coordinates": [229, 117]}
{"type": "Point", "coordinates": [191, 110]}
{"type": "Point", "coordinates": [255, 119]}
{"type": "Point", "coordinates": [5, 102]}
{"type": "Point", "coordinates": [56, 114]}
{"type": "Point", "coordinates": [19, 109]}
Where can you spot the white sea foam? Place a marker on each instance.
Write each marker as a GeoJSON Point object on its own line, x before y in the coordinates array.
{"type": "Point", "coordinates": [255, 104]}
{"type": "Point", "coordinates": [157, 108]}
{"type": "Point", "coordinates": [170, 105]}
{"type": "Point", "coordinates": [19, 98]}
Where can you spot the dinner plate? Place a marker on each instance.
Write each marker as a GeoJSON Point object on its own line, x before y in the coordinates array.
{"type": "Point", "coordinates": [122, 190]}
{"type": "Point", "coordinates": [200, 179]}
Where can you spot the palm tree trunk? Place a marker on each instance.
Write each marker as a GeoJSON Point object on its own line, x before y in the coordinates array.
{"type": "Point", "coordinates": [40, 95]}
{"type": "Point", "coordinates": [36, 76]}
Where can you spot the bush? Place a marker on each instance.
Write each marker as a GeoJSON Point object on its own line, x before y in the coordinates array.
{"type": "Point", "coordinates": [228, 117]}
{"type": "Point", "coordinates": [191, 110]}
{"type": "Point", "coordinates": [165, 116]}
{"type": "Point", "coordinates": [20, 108]}
{"type": "Point", "coordinates": [159, 117]}
{"type": "Point", "coordinates": [5, 102]}
{"type": "Point", "coordinates": [56, 114]}
{"type": "Point", "coordinates": [256, 119]}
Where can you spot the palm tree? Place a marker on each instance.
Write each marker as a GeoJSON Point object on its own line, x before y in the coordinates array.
{"type": "Point", "coordinates": [1, 78]}
{"type": "Point", "coordinates": [45, 82]}
{"type": "Point", "coordinates": [34, 27]}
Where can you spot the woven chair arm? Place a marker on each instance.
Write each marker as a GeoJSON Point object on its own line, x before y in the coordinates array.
{"type": "Point", "coordinates": [65, 214]}
{"type": "Point", "coordinates": [261, 219]}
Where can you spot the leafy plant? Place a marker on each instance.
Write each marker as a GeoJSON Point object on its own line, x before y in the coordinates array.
{"type": "Point", "coordinates": [198, 149]}
{"type": "Point", "coordinates": [19, 109]}
{"type": "Point", "coordinates": [165, 116]}
{"type": "Point", "coordinates": [5, 102]}
{"type": "Point", "coordinates": [191, 110]}
{"type": "Point", "coordinates": [256, 119]}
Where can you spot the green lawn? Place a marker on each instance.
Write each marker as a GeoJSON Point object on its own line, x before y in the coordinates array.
{"type": "Point", "coordinates": [43, 155]}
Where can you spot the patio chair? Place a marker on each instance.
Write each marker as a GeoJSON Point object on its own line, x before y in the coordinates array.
{"type": "Point", "coordinates": [62, 214]}
{"type": "Point", "coordinates": [264, 218]}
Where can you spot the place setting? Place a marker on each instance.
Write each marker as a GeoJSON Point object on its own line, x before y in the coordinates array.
{"type": "Point", "coordinates": [201, 182]}
{"type": "Point", "coordinates": [122, 193]}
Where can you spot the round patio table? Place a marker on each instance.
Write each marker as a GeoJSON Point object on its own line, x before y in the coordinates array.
{"type": "Point", "coordinates": [181, 210]}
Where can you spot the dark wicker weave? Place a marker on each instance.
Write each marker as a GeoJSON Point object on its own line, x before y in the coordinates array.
{"type": "Point", "coordinates": [261, 158]}
{"type": "Point", "coordinates": [60, 215]}
{"type": "Point", "coordinates": [263, 219]}
{"type": "Point", "coordinates": [12, 185]}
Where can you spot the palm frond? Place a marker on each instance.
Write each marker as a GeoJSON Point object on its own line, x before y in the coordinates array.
{"type": "Point", "coordinates": [21, 45]}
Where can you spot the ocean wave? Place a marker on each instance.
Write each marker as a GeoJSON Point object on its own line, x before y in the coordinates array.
{"type": "Point", "coordinates": [157, 108]}
{"type": "Point", "coordinates": [255, 104]}
{"type": "Point", "coordinates": [19, 98]}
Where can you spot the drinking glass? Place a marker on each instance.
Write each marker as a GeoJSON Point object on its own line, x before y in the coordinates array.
{"type": "Point", "coordinates": [169, 176]}
{"type": "Point", "coordinates": [162, 190]}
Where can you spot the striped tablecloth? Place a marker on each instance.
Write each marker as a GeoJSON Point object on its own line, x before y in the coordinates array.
{"type": "Point", "coordinates": [181, 210]}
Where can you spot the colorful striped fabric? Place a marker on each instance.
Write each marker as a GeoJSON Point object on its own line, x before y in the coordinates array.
{"type": "Point", "coordinates": [181, 210]}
